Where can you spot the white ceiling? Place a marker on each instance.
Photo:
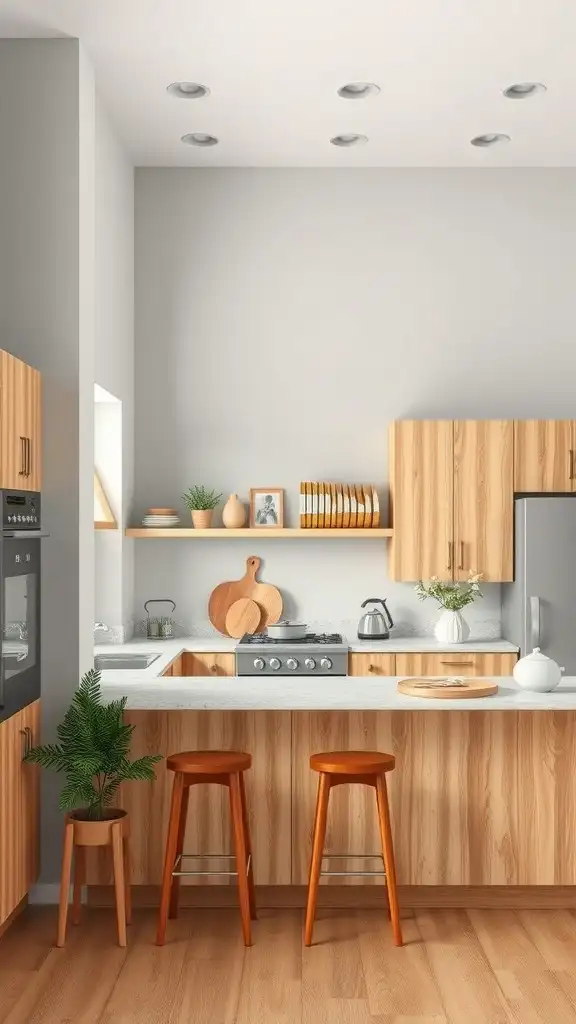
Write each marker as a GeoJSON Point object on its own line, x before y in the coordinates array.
{"type": "Point", "coordinates": [273, 69]}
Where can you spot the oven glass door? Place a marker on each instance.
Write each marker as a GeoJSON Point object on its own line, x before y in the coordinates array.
{"type": "Point", "coordinates": [20, 624]}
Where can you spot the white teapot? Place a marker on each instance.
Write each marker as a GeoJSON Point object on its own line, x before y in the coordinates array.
{"type": "Point", "coordinates": [537, 672]}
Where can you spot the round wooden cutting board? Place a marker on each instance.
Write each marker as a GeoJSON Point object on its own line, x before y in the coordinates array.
{"type": "Point", "coordinates": [243, 617]}
{"type": "Point", "coordinates": [422, 687]}
{"type": "Point", "coordinates": [267, 597]}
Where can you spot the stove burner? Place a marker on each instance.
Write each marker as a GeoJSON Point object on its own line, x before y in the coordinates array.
{"type": "Point", "coordinates": [310, 638]}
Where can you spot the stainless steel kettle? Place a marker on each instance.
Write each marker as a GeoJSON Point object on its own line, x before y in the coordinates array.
{"type": "Point", "coordinates": [373, 625]}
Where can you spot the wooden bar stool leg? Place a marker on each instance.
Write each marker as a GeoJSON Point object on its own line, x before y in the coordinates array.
{"type": "Point", "coordinates": [388, 854]}
{"type": "Point", "coordinates": [251, 887]}
{"type": "Point", "coordinates": [79, 876]}
{"type": "Point", "coordinates": [241, 859]}
{"type": "Point", "coordinates": [127, 880]}
{"type": "Point", "coordinates": [65, 882]}
{"type": "Point", "coordinates": [317, 853]}
{"type": "Point", "coordinates": [119, 881]}
{"type": "Point", "coordinates": [170, 857]}
{"type": "Point", "coordinates": [175, 890]}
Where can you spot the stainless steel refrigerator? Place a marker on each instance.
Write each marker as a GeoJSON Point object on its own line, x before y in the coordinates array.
{"type": "Point", "coordinates": [539, 608]}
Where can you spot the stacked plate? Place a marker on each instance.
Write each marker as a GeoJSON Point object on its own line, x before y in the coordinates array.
{"type": "Point", "coordinates": [160, 518]}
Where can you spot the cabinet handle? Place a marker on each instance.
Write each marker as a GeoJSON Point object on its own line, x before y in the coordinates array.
{"type": "Point", "coordinates": [28, 456]}
{"type": "Point", "coordinates": [571, 468]}
{"type": "Point", "coordinates": [22, 456]}
{"type": "Point", "coordinates": [469, 663]}
{"type": "Point", "coordinates": [449, 566]}
{"type": "Point", "coordinates": [28, 731]}
{"type": "Point", "coordinates": [24, 735]}
{"type": "Point", "coordinates": [461, 565]}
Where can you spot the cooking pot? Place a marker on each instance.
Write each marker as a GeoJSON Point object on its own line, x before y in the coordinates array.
{"type": "Point", "coordinates": [286, 630]}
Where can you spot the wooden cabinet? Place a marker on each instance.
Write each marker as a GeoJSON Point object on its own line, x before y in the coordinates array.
{"type": "Point", "coordinates": [374, 664]}
{"type": "Point", "coordinates": [483, 499]}
{"type": "Point", "coordinates": [452, 497]}
{"type": "Point", "coordinates": [207, 664]}
{"type": "Point", "coordinates": [19, 809]}
{"type": "Point", "coordinates": [544, 456]}
{"type": "Point", "coordinates": [174, 668]}
{"type": "Point", "coordinates": [20, 425]}
{"type": "Point", "coordinates": [421, 454]}
{"type": "Point", "coordinates": [464, 663]}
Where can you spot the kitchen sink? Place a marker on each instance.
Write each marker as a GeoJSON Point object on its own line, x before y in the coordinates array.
{"type": "Point", "coordinates": [113, 662]}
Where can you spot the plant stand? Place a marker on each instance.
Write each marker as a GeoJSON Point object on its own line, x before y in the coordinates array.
{"type": "Point", "coordinates": [78, 835]}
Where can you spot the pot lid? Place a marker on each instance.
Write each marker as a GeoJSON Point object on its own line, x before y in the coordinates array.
{"type": "Point", "coordinates": [284, 622]}
{"type": "Point", "coordinates": [536, 656]}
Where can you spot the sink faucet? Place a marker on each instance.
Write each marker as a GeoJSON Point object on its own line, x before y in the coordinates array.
{"type": "Point", "coordinates": [101, 627]}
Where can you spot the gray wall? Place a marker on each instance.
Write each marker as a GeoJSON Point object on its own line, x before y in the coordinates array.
{"type": "Point", "coordinates": [47, 318]}
{"type": "Point", "coordinates": [284, 317]}
{"type": "Point", "coordinates": [114, 355]}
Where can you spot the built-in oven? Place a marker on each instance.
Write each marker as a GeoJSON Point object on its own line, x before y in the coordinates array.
{"type": "Point", "coordinates": [20, 566]}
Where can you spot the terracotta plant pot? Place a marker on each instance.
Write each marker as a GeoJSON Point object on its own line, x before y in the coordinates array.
{"type": "Point", "coordinates": [233, 513]}
{"type": "Point", "coordinates": [91, 832]}
{"type": "Point", "coordinates": [202, 518]}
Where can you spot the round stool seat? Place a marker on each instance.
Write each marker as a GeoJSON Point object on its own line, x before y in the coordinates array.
{"type": "Point", "coordinates": [209, 762]}
{"type": "Point", "coordinates": [352, 762]}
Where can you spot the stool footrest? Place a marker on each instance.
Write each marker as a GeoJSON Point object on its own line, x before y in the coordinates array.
{"type": "Point", "coordinates": [201, 856]}
{"type": "Point", "coordinates": [356, 874]}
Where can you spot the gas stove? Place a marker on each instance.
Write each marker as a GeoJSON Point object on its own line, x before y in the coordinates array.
{"type": "Point", "coordinates": [316, 654]}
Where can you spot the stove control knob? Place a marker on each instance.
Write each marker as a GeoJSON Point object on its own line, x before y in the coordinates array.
{"type": "Point", "coordinates": [259, 663]}
{"type": "Point", "coordinates": [310, 664]}
{"type": "Point", "coordinates": [326, 663]}
{"type": "Point", "coordinates": [292, 664]}
{"type": "Point", "coordinates": [275, 663]}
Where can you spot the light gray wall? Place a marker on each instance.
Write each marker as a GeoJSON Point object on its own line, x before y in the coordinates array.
{"type": "Point", "coordinates": [284, 317]}
{"type": "Point", "coordinates": [114, 355]}
{"type": "Point", "coordinates": [47, 318]}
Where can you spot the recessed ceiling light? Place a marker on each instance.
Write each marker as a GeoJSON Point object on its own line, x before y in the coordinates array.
{"type": "Point", "coordinates": [358, 90]}
{"type": "Point", "coordinates": [522, 90]}
{"type": "Point", "coordinates": [188, 90]}
{"type": "Point", "coordinates": [491, 139]}
{"type": "Point", "coordinates": [349, 140]}
{"type": "Point", "coordinates": [199, 139]}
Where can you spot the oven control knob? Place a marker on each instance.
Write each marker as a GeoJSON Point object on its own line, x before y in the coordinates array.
{"type": "Point", "coordinates": [259, 663]}
{"type": "Point", "coordinates": [326, 663]}
{"type": "Point", "coordinates": [292, 664]}
{"type": "Point", "coordinates": [275, 663]}
{"type": "Point", "coordinates": [18, 519]}
{"type": "Point", "coordinates": [310, 664]}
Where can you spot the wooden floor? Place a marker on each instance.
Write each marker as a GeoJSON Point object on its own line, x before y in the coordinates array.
{"type": "Point", "coordinates": [476, 967]}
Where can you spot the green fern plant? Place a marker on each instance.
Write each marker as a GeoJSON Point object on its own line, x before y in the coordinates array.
{"type": "Point", "coordinates": [93, 751]}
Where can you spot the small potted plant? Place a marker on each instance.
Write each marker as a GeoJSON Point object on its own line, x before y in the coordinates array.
{"type": "Point", "coordinates": [451, 627]}
{"type": "Point", "coordinates": [201, 503]}
{"type": "Point", "coordinates": [92, 752]}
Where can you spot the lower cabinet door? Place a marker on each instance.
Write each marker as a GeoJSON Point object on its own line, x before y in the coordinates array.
{"type": "Point", "coordinates": [19, 809]}
{"type": "Point", "coordinates": [372, 664]}
{"type": "Point", "coordinates": [465, 663]}
{"type": "Point", "coordinates": [207, 664]}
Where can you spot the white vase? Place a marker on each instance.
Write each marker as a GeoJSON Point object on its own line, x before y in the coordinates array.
{"type": "Point", "coordinates": [451, 628]}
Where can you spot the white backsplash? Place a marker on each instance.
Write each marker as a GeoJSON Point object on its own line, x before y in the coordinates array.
{"type": "Point", "coordinates": [323, 583]}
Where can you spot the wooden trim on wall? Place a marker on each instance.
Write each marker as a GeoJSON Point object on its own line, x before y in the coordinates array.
{"type": "Point", "coordinates": [344, 897]}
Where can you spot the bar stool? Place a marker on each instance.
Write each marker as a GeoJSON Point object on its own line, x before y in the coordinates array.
{"type": "Point", "coordinates": [368, 768]}
{"type": "Point", "coordinates": [225, 767]}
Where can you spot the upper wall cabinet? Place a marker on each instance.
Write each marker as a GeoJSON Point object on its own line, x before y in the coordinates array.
{"type": "Point", "coordinates": [421, 454]}
{"type": "Point", "coordinates": [20, 425]}
{"type": "Point", "coordinates": [451, 488]}
{"type": "Point", "coordinates": [484, 499]}
{"type": "Point", "coordinates": [544, 459]}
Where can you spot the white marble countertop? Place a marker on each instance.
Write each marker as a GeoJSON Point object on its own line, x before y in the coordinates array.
{"type": "Point", "coordinates": [313, 693]}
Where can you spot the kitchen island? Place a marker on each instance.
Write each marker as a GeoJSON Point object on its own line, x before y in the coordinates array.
{"type": "Point", "coordinates": [483, 796]}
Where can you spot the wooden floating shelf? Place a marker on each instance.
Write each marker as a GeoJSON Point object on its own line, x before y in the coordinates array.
{"type": "Point", "coordinates": [219, 533]}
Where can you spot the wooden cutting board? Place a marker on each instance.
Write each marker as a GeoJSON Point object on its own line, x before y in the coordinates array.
{"type": "Point", "coordinates": [265, 595]}
{"type": "Point", "coordinates": [243, 617]}
{"type": "Point", "coordinates": [422, 687]}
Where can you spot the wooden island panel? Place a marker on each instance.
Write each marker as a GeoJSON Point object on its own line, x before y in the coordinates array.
{"type": "Point", "coordinates": [477, 798]}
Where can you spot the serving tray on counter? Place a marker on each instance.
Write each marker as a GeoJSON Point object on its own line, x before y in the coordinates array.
{"type": "Point", "coordinates": [439, 688]}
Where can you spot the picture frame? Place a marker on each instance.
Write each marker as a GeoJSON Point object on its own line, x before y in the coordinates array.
{"type": "Point", "coordinates": [266, 508]}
